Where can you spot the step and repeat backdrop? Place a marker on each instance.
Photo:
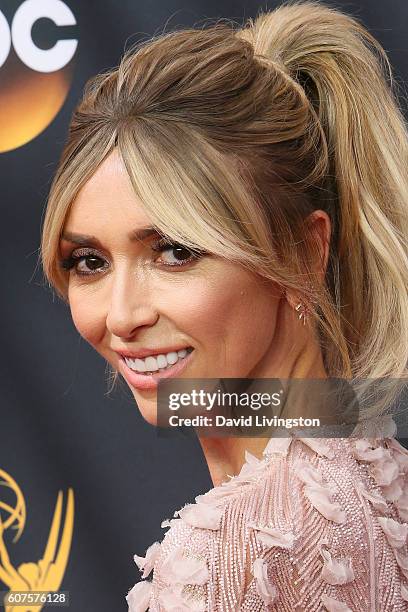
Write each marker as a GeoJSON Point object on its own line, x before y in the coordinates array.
{"type": "Point", "coordinates": [85, 481]}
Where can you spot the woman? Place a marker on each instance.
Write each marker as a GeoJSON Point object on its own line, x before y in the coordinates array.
{"type": "Point", "coordinates": [235, 200]}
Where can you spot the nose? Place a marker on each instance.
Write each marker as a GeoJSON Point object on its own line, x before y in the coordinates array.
{"type": "Point", "coordinates": [130, 306]}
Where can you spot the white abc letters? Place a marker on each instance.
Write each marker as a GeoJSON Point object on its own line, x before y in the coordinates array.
{"type": "Point", "coordinates": [5, 39]}
{"type": "Point", "coordinates": [40, 60]}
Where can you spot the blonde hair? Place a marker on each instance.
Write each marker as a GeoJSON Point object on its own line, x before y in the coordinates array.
{"type": "Point", "coordinates": [233, 136]}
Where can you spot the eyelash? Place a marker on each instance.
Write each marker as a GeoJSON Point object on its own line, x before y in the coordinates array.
{"type": "Point", "coordinates": [159, 246]}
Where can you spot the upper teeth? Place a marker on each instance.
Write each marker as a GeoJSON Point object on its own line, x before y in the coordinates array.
{"type": "Point", "coordinates": [158, 362]}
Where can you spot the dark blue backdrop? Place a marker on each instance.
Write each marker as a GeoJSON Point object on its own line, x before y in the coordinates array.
{"type": "Point", "coordinates": [59, 429]}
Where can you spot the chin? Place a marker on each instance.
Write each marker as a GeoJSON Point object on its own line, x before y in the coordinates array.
{"type": "Point", "coordinates": [147, 407]}
{"type": "Point", "coordinates": [149, 416]}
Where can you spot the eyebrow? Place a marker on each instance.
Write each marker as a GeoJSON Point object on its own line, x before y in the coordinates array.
{"type": "Point", "coordinates": [84, 239]}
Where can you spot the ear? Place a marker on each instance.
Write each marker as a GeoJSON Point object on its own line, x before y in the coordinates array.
{"type": "Point", "coordinates": [320, 226]}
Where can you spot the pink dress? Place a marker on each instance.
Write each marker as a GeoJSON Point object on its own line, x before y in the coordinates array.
{"type": "Point", "coordinates": [316, 524]}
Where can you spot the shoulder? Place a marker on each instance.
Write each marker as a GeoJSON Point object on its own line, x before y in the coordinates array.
{"type": "Point", "coordinates": [313, 522]}
{"type": "Point", "coordinates": [343, 505]}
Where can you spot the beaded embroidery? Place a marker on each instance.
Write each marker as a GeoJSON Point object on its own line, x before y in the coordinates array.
{"type": "Point", "coordinates": [319, 524]}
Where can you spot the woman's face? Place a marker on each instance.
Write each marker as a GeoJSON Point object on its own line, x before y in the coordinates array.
{"type": "Point", "coordinates": [127, 295]}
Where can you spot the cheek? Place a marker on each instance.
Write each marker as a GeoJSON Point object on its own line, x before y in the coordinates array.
{"type": "Point", "coordinates": [249, 323]}
{"type": "Point", "coordinates": [185, 309]}
{"type": "Point", "coordinates": [88, 321]}
{"type": "Point", "coordinates": [230, 314]}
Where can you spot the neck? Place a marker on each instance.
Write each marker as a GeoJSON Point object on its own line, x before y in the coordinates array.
{"type": "Point", "coordinates": [225, 456]}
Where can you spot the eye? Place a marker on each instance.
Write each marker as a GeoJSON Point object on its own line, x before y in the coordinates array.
{"type": "Point", "coordinates": [175, 254]}
{"type": "Point", "coordinates": [84, 262]}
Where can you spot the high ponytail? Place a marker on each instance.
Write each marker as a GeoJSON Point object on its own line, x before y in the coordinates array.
{"type": "Point", "coordinates": [344, 72]}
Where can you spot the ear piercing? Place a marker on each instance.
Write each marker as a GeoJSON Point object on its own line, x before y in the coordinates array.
{"type": "Point", "coordinates": [302, 309]}
{"type": "Point", "coordinates": [303, 313]}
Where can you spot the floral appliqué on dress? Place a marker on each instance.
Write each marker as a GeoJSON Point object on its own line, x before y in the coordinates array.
{"type": "Point", "coordinates": [317, 524]}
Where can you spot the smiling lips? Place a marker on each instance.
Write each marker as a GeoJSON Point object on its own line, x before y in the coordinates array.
{"type": "Point", "coordinates": [149, 379]}
{"type": "Point", "coordinates": [156, 363]}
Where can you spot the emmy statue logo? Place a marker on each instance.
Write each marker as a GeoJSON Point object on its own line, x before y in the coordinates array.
{"type": "Point", "coordinates": [45, 575]}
